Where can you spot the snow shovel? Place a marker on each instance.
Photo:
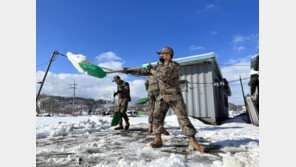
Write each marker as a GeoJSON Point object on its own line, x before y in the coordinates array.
{"type": "Point", "coordinates": [116, 118]}
{"type": "Point", "coordinates": [93, 70]}
{"type": "Point", "coordinates": [98, 72]}
{"type": "Point", "coordinates": [122, 70]}
{"type": "Point", "coordinates": [143, 101]}
{"type": "Point", "coordinates": [144, 66]}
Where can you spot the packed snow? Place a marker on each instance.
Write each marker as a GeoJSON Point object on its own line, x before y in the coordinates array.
{"type": "Point", "coordinates": [91, 141]}
{"type": "Point", "coordinates": [75, 59]}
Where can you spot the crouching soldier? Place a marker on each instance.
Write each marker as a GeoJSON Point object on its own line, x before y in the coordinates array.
{"type": "Point", "coordinates": [123, 93]}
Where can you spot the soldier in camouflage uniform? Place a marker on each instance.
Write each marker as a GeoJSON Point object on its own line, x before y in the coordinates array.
{"type": "Point", "coordinates": [167, 75]}
{"type": "Point", "coordinates": [151, 85]}
{"type": "Point", "coordinates": [123, 92]}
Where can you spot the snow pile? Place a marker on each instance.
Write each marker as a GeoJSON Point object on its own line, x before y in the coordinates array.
{"type": "Point", "coordinates": [174, 160]}
{"type": "Point", "coordinates": [75, 59]}
{"type": "Point", "coordinates": [92, 124]}
{"type": "Point", "coordinates": [241, 159]}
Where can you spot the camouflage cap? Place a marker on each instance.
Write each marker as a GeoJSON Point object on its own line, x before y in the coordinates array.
{"type": "Point", "coordinates": [115, 77]}
{"type": "Point", "coordinates": [167, 50]}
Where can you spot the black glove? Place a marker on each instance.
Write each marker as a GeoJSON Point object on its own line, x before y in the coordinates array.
{"type": "Point", "coordinates": [114, 94]}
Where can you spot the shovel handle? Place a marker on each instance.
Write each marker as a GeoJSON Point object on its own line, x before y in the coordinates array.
{"type": "Point", "coordinates": [128, 69]}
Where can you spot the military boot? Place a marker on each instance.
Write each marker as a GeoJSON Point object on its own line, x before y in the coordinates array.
{"type": "Point", "coordinates": [165, 132]}
{"type": "Point", "coordinates": [157, 141]}
{"type": "Point", "coordinates": [119, 127]}
{"type": "Point", "coordinates": [195, 145]}
{"type": "Point", "coordinates": [150, 128]}
{"type": "Point", "coordinates": [127, 125]}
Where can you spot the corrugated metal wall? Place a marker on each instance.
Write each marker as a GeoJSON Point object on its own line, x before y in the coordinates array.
{"type": "Point", "coordinates": [199, 98]}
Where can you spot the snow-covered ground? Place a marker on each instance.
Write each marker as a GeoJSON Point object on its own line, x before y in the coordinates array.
{"type": "Point", "coordinates": [91, 141]}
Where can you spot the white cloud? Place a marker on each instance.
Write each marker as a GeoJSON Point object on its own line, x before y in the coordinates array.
{"type": "Point", "coordinates": [239, 48]}
{"type": "Point", "coordinates": [238, 39]}
{"type": "Point", "coordinates": [232, 73]}
{"type": "Point", "coordinates": [107, 56]}
{"type": "Point", "coordinates": [208, 7]}
{"type": "Point", "coordinates": [137, 88]}
{"type": "Point", "coordinates": [214, 33]}
{"type": "Point", "coordinates": [194, 47]}
{"type": "Point", "coordinates": [109, 60]}
{"type": "Point", "coordinates": [114, 65]}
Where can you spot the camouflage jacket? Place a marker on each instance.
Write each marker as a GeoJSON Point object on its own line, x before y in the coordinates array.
{"type": "Point", "coordinates": [151, 84]}
{"type": "Point", "coordinates": [123, 90]}
{"type": "Point", "coordinates": [167, 76]}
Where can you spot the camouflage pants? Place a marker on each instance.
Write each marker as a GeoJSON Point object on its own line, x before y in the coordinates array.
{"type": "Point", "coordinates": [179, 107]}
{"type": "Point", "coordinates": [122, 107]}
{"type": "Point", "coordinates": [152, 96]}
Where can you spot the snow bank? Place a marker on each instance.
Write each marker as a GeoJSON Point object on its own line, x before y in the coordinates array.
{"type": "Point", "coordinates": [77, 58]}
{"type": "Point", "coordinates": [56, 119]}
{"type": "Point", "coordinates": [90, 125]}
{"type": "Point", "coordinates": [241, 159]}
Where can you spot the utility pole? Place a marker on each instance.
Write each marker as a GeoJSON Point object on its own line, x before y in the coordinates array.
{"type": "Point", "coordinates": [73, 87]}
{"type": "Point", "coordinates": [42, 82]}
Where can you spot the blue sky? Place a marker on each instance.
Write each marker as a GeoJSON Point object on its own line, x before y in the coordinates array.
{"type": "Point", "coordinates": [134, 30]}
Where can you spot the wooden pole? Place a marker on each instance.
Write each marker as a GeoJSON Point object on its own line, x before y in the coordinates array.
{"type": "Point", "coordinates": [122, 70]}
{"type": "Point", "coordinates": [42, 83]}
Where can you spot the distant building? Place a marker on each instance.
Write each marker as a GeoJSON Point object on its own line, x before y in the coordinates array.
{"type": "Point", "coordinates": [204, 89]}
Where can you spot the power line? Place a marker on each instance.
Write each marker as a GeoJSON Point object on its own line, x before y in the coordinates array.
{"type": "Point", "coordinates": [238, 80]}
{"type": "Point", "coordinates": [53, 59]}
{"type": "Point", "coordinates": [42, 64]}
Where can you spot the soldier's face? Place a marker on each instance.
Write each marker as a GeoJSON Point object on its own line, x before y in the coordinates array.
{"type": "Point", "coordinates": [166, 56]}
{"type": "Point", "coordinates": [117, 81]}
